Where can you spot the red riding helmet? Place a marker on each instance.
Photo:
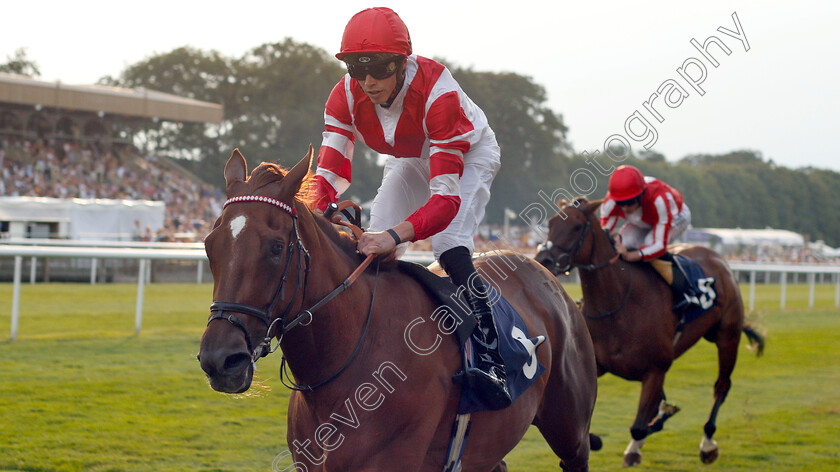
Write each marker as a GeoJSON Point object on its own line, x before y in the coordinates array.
{"type": "Point", "coordinates": [375, 30]}
{"type": "Point", "coordinates": [626, 183]}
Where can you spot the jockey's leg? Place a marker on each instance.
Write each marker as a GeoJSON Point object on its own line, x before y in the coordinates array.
{"type": "Point", "coordinates": [489, 375]}
{"type": "Point", "coordinates": [680, 285]}
{"type": "Point", "coordinates": [454, 246]}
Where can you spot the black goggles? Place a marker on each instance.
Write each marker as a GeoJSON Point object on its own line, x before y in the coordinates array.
{"type": "Point", "coordinates": [630, 202]}
{"type": "Point", "coordinates": [379, 71]}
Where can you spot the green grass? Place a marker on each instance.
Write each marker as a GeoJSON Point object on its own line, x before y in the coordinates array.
{"type": "Point", "coordinates": [80, 391]}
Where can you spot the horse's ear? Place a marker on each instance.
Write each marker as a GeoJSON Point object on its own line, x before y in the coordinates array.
{"type": "Point", "coordinates": [591, 207]}
{"type": "Point", "coordinates": [292, 180]}
{"type": "Point", "coordinates": [236, 168]}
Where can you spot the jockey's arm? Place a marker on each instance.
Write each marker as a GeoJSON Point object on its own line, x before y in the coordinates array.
{"type": "Point", "coordinates": [609, 215]}
{"type": "Point", "coordinates": [335, 156]}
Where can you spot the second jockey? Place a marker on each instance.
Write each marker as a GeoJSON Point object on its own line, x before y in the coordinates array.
{"type": "Point", "coordinates": [655, 215]}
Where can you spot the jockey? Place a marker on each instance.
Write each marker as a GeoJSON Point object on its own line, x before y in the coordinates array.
{"type": "Point", "coordinates": [442, 158]}
{"type": "Point", "coordinates": [655, 215]}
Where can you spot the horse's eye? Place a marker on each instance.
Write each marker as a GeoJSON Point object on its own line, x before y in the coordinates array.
{"type": "Point", "coordinates": [277, 247]}
{"type": "Point", "coordinates": [578, 227]}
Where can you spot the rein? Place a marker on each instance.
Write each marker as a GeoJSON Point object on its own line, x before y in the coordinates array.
{"type": "Point", "coordinates": [304, 388]}
{"type": "Point", "coordinates": [548, 245]}
{"type": "Point", "coordinates": [620, 306]}
{"type": "Point", "coordinates": [224, 310]}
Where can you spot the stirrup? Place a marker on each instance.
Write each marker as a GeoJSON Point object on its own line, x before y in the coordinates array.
{"type": "Point", "coordinates": [681, 306]}
{"type": "Point", "coordinates": [684, 304]}
{"type": "Point", "coordinates": [490, 387]}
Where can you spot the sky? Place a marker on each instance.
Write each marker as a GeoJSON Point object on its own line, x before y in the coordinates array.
{"type": "Point", "coordinates": [600, 62]}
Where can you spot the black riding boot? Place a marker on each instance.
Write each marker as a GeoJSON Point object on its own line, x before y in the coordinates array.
{"type": "Point", "coordinates": [488, 376]}
{"type": "Point", "coordinates": [685, 295]}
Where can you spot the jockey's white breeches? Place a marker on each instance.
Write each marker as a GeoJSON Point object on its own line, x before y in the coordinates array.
{"type": "Point", "coordinates": [405, 188]}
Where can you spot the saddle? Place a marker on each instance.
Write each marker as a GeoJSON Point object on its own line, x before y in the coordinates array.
{"type": "Point", "coordinates": [443, 292]}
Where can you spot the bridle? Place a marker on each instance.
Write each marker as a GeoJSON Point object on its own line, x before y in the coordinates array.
{"type": "Point", "coordinates": [569, 255]}
{"type": "Point", "coordinates": [549, 245]}
{"type": "Point", "coordinates": [225, 310]}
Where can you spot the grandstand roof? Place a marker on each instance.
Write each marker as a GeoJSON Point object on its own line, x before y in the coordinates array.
{"type": "Point", "coordinates": [734, 236]}
{"type": "Point", "coordinates": [132, 102]}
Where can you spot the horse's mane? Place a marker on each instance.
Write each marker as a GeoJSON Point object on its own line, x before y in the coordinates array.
{"type": "Point", "coordinates": [340, 238]}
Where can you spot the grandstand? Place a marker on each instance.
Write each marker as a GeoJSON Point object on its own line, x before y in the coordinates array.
{"type": "Point", "coordinates": [71, 146]}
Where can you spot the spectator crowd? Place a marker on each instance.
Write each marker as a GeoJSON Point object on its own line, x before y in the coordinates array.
{"type": "Point", "coordinates": [71, 169]}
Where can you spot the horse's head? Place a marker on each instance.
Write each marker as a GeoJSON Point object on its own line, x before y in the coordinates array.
{"type": "Point", "coordinates": [254, 250]}
{"type": "Point", "coordinates": [569, 235]}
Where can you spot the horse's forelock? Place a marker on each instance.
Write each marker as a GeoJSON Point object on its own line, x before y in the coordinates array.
{"type": "Point", "coordinates": [265, 174]}
{"type": "Point", "coordinates": [269, 173]}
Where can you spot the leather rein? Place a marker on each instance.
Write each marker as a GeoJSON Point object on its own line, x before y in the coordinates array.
{"type": "Point", "coordinates": [225, 310]}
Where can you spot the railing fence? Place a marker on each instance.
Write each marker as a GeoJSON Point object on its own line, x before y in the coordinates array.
{"type": "Point", "coordinates": [146, 253]}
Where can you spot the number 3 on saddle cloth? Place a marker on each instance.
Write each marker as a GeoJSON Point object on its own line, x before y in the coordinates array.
{"type": "Point", "coordinates": [701, 289]}
{"type": "Point", "coordinates": [516, 347]}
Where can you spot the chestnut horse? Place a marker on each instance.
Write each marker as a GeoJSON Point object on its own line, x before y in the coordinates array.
{"type": "Point", "coordinates": [627, 307]}
{"type": "Point", "coordinates": [374, 387]}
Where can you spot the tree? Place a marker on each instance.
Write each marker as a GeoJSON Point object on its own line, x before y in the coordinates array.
{"type": "Point", "coordinates": [532, 137]}
{"type": "Point", "coordinates": [20, 64]}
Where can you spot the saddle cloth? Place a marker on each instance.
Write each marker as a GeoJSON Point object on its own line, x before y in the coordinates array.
{"type": "Point", "coordinates": [516, 346]}
{"type": "Point", "coordinates": [518, 349]}
{"type": "Point", "coordinates": [703, 289]}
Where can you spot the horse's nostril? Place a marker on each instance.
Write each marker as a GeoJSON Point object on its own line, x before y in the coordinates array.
{"type": "Point", "coordinates": [236, 362]}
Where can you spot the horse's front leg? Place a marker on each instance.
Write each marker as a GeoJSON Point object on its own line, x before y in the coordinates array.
{"type": "Point", "coordinates": [651, 397]}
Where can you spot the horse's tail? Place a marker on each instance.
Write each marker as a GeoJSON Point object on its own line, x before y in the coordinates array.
{"type": "Point", "coordinates": [755, 338]}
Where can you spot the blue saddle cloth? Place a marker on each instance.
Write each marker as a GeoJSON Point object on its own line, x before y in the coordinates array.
{"type": "Point", "coordinates": [702, 286]}
{"type": "Point", "coordinates": [517, 348]}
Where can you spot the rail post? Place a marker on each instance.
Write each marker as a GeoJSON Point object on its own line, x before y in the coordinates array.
{"type": "Point", "coordinates": [94, 263]}
{"type": "Point", "coordinates": [141, 285]}
{"type": "Point", "coordinates": [784, 291]}
{"type": "Point", "coordinates": [16, 296]}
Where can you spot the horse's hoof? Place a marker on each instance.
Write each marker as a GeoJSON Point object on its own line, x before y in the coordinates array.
{"type": "Point", "coordinates": [595, 443]}
{"type": "Point", "coordinates": [707, 457]}
{"type": "Point", "coordinates": [631, 459]}
{"type": "Point", "coordinates": [669, 410]}
{"type": "Point", "coordinates": [500, 467]}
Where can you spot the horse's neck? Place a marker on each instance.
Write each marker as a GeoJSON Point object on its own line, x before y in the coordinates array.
{"type": "Point", "coordinates": [319, 348]}
{"type": "Point", "coordinates": [602, 287]}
